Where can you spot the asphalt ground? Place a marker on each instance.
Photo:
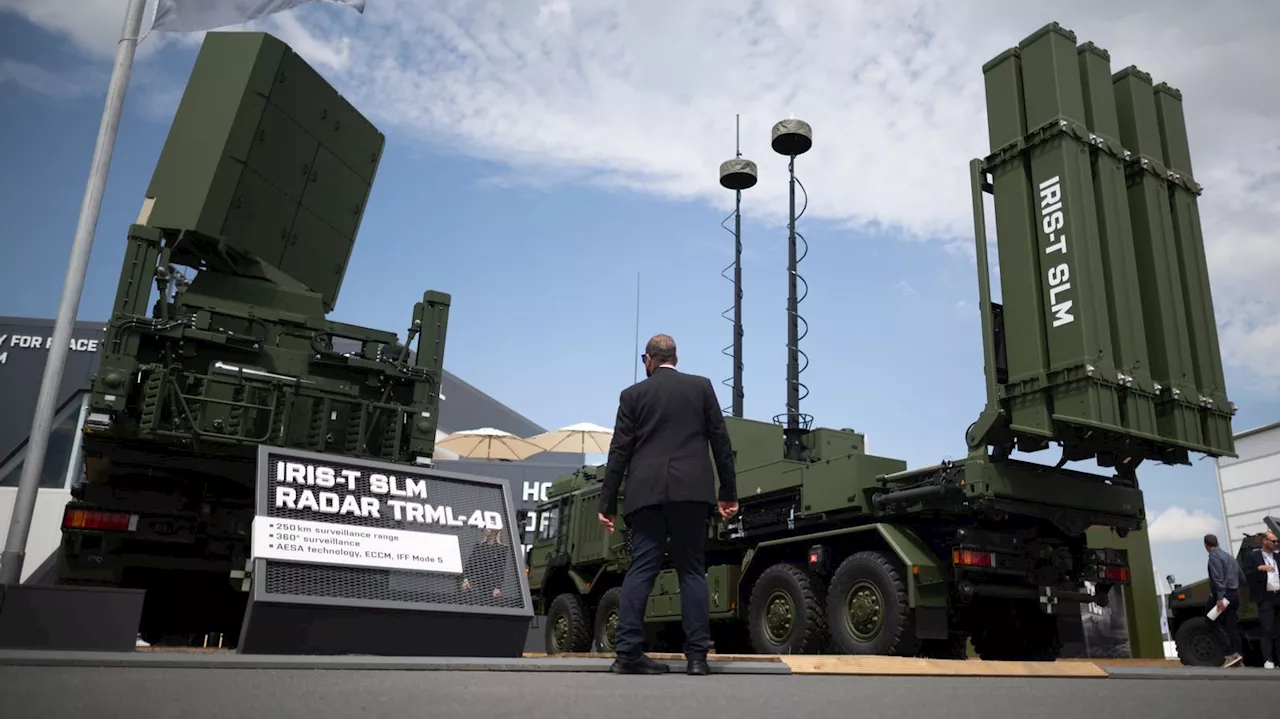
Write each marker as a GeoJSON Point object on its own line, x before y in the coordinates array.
{"type": "Point", "coordinates": [140, 693]}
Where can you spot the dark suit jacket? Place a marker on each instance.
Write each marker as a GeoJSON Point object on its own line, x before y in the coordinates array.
{"type": "Point", "coordinates": [665, 424]}
{"type": "Point", "coordinates": [1257, 579]}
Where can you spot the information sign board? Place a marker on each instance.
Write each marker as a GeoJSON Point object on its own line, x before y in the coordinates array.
{"type": "Point", "coordinates": [358, 556]}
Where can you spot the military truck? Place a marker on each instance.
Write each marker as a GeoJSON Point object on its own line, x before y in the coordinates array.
{"type": "Point", "coordinates": [1104, 345]}
{"type": "Point", "coordinates": [1200, 640]}
{"type": "Point", "coordinates": [258, 193]}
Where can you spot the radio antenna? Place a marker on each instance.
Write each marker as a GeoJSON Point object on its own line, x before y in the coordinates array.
{"type": "Point", "coordinates": [635, 355]}
{"type": "Point", "coordinates": [792, 138]}
{"type": "Point", "coordinates": [737, 174]}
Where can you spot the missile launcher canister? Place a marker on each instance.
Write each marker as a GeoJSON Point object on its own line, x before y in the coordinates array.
{"type": "Point", "coordinates": [1105, 339]}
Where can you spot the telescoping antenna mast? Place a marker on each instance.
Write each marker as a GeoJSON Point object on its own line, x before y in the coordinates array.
{"type": "Point", "coordinates": [792, 138]}
{"type": "Point", "coordinates": [737, 174]}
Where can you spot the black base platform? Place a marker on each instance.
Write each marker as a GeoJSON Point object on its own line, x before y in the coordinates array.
{"type": "Point", "coordinates": [95, 619]}
{"type": "Point", "coordinates": [228, 660]}
{"type": "Point", "coordinates": [315, 629]}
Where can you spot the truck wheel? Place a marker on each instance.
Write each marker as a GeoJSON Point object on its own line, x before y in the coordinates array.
{"type": "Point", "coordinates": [568, 629]}
{"type": "Point", "coordinates": [1200, 643]}
{"type": "Point", "coordinates": [867, 611]}
{"type": "Point", "coordinates": [785, 612]}
{"type": "Point", "coordinates": [607, 619]}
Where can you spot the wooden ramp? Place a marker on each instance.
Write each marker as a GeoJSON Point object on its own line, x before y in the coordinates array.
{"type": "Point", "coordinates": [912, 666]}
{"type": "Point", "coordinates": [817, 664]}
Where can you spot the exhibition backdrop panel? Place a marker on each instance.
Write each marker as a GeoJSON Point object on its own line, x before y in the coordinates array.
{"type": "Point", "coordinates": [24, 346]}
{"type": "Point", "coordinates": [353, 556]}
{"type": "Point", "coordinates": [1249, 484]}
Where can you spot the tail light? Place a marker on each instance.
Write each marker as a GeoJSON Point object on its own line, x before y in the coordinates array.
{"type": "Point", "coordinates": [1114, 574]}
{"type": "Point", "coordinates": [96, 519]}
{"type": "Point", "coordinates": [972, 558]}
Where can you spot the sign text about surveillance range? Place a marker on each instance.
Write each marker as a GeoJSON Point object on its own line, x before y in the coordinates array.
{"type": "Point", "coordinates": [296, 540]}
{"type": "Point", "coordinates": [319, 488]}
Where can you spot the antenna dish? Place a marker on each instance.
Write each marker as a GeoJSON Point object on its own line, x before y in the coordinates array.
{"type": "Point", "coordinates": [792, 137]}
{"type": "Point", "coordinates": [738, 174]}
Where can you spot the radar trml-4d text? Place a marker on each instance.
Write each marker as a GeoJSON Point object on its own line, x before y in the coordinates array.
{"type": "Point", "coordinates": [355, 503]}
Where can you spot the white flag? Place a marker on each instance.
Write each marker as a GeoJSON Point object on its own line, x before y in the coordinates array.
{"type": "Point", "coordinates": [195, 15]}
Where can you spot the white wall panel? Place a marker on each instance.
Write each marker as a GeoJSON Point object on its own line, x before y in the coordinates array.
{"type": "Point", "coordinates": [1249, 485]}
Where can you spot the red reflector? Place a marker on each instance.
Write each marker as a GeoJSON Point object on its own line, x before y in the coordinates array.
{"type": "Point", "coordinates": [93, 519]}
{"type": "Point", "coordinates": [1115, 574]}
{"type": "Point", "coordinates": [813, 558]}
{"type": "Point", "coordinates": [971, 558]}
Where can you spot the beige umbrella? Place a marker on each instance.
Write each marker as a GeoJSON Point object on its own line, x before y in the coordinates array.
{"type": "Point", "coordinates": [581, 438]}
{"type": "Point", "coordinates": [488, 443]}
{"type": "Point", "coordinates": [443, 453]}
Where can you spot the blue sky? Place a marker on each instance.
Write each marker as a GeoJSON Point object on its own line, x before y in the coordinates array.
{"type": "Point", "coordinates": [539, 156]}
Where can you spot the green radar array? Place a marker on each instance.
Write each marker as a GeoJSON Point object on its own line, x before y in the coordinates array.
{"type": "Point", "coordinates": [1105, 340]}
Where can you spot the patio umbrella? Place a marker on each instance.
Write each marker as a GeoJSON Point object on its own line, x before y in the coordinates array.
{"type": "Point", "coordinates": [488, 443]}
{"type": "Point", "coordinates": [581, 438]}
{"type": "Point", "coordinates": [440, 453]}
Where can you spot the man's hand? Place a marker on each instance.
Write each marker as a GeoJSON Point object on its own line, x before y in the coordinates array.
{"type": "Point", "coordinates": [1266, 568]}
{"type": "Point", "coordinates": [606, 521]}
{"type": "Point", "coordinates": [728, 510]}
{"type": "Point", "coordinates": [1222, 604]}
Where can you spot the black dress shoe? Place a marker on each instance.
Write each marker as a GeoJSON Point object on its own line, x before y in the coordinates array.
{"type": "Point", "coordinates": [698, 667]}
{"type": "Point", "coordinates": [638, 665]}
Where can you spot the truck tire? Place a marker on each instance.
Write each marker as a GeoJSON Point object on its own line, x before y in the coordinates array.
{"type": "Point", "coordinates": [568, 626]}
{"type": "Point", "coordinates": [1200, 643]}
{"type": "Point", "coordinates": [867, 609]}
{"type": "Point", "coordinates": [785, 612]}
{"type": "Point", "coordinates": [606, 620]}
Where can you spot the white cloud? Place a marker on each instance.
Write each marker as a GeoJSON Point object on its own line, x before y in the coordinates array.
{"type": "Point", "coordinates": [39, 79]}
{"type": "Point", "coordinates": [1176, 524]}
{"type": "Point", "coordinates": [641, 95]}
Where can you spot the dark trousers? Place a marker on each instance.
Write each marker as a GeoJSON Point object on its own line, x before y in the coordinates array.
{"type": "Point", "coordinates": [1229, 620]}
{"type": "Point", "coordinates": [1268, 613]}
{"type": "Point", "coordinates": [686, 524]}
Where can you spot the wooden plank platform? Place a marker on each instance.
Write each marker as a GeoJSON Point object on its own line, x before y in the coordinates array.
{"type": "Point", "coordinates": [895, 666]}
{"type": "Point", "coordinates": [912, 666]}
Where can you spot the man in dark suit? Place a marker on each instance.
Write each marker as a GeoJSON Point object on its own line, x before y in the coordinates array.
{"type": "Point", "coordinates": [1264, 588]}
{"type": "Point", "coordinates": [664, 427]}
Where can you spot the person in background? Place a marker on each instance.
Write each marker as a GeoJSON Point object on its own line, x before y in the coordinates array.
{"type": "Point", "coordinates": [485, 565]}
{"type": "Point", "coordinates": [1264, 588]}
{"type": "Point", "coordinates": [1224, 581]}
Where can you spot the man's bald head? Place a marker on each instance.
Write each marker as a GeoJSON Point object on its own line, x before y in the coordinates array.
{"type": "Point", "coordinates": [660, 350]}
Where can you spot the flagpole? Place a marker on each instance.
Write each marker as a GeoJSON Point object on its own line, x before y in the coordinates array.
{"type": "Point", "coordinates": [15, 545]}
